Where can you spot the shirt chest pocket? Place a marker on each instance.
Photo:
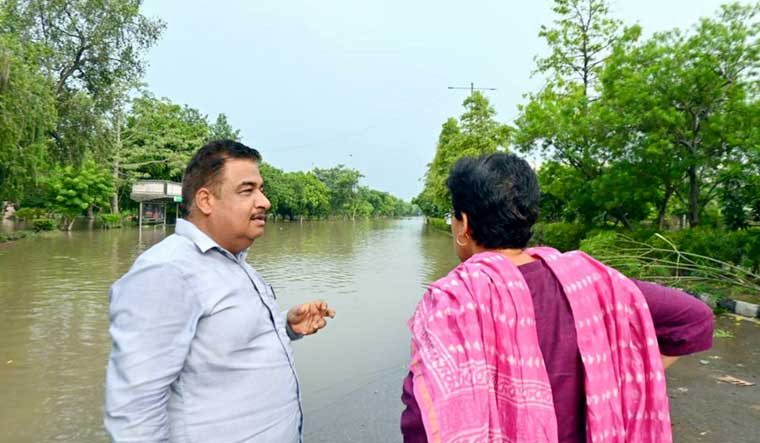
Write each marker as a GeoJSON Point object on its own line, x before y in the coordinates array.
{"type": "Point", "coordinates": [271, 300]}
{"type": "Point", "coordinates": [268, 295]}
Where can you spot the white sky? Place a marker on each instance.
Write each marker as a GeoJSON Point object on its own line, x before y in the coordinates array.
{"type": "Point", "coordinates": [362, 83]}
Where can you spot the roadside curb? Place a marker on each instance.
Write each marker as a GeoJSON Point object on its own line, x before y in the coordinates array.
{"type": "Point", "coordinates": [737, 307]}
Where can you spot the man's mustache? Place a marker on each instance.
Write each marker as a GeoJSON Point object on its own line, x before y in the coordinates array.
{"type": "Point", "coordinates": [259, 216]}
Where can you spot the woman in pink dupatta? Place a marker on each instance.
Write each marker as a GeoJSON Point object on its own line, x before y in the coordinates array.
{"type": "Point", "coordinates": [478, 370]}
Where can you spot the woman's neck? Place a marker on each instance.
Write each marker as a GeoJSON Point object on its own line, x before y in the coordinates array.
{"type": "Point", "coordinates": [516, 256]}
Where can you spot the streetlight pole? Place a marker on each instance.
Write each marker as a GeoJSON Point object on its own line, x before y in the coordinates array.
{"type": "Point", "coordinates": [472, 88]}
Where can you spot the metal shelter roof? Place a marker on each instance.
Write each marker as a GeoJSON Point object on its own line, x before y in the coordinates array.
{"type": "Point", "coordinates": [156, 190]}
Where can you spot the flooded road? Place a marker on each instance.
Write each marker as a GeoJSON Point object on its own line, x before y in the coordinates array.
{"type": "Point", "coordinates": [54, 320]}
{"type": "Point", "coordinates": [54, 341]}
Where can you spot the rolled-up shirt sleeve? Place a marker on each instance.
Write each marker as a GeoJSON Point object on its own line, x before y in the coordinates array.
{"type": "Point", "coordinates": [684, 324]}
{"type": "Point", "coordinates": [153, 320]}
{"type": "Point", "coordinates": [292, 335]}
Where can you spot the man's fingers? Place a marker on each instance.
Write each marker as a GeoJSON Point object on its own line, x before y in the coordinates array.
{"type": "Point", "coordinates": [325, 310]}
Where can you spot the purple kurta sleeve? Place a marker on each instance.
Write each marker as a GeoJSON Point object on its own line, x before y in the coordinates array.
{"type": "Point", "coordinates": [684, 324]}
{"type": "Point", "coordinates": [411, 419]}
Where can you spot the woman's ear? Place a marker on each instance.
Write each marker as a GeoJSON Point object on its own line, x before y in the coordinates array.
{"type": "Point", "coordinates": [466, 226]}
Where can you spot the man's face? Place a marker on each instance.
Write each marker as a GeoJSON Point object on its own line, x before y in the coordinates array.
{"type": "Point", "coordinates": [239, 213]}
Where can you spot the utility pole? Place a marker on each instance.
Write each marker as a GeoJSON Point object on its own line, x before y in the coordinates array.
{"type": "Point", "coordinates": [472, 88]}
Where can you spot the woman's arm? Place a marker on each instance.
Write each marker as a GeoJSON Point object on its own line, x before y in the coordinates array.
{"type": "Point", "coordinates": [683, 324]}
{"type": "Point", "coordinates": [412, 427]}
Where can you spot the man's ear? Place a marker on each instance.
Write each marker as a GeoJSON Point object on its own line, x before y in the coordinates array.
{"type": "Point", "coordinates": [204, 201]}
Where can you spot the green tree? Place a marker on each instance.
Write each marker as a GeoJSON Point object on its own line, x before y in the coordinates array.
{"type": "Point", "coordinates": [566, 121]}
{"type": "Point", "coordinates": [644, 123]}
{"type": "Point", "coordinates": [476, 132]}
{"type": "Point", "coordinates": [295, 194]}
{"type": "Point", "coordinates": [299, 195]}
{"type": "Point", "coordinates": [155, 139]}
{"type": "Point", "coordinates": [739, 195]}
{"type": "Point", "coordinates": [687, 105]}
{"type": "Point", "coordinates": [159, 137]}
{"type": "Point", "coordinates": [73, 191]}
{"type": "Point", "coordinates": [309, 196]}
{"type": "Point", "coordinates": [584, 32]}
{"type": "Point", "coordinates": [375, 203]}
{"type": "Point", "coordinates": [342, 184]}
{"type": "Point", "coordinates": [116, 152]}
{"type": "Point", "coordinates": [275, 187]}
{"type": "Point", "coordinates": [559, 198]}
{"type": "Point", "coordinates": [434, 198]}
{"type": "Point", "coordinates": [222, 130]}
{"type": "Point", "coordinates": [27, 114]}
{"type": "Point", "coordinates": [90, 47]}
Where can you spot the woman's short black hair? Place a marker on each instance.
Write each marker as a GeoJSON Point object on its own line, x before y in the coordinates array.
{"type": "Point", "coordinates": [499, 193]}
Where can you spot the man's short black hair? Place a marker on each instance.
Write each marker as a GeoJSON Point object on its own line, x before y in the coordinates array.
{"type": "Point", "coordinates": [205, 168]}
{"type": "Point", "coordinates": [499, 193]}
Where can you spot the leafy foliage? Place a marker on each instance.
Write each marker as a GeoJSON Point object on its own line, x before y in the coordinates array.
{"type": "Point", "coordinates": [27, 114]}
{"type": "Point", "coordinates": [648, 129]}
{"type": "Point", "coordinates": [475, 133]}
{"type": "Point", "coordinates": [73, 191]}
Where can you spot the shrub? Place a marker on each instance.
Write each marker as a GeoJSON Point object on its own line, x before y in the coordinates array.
{"type": "Point", "coordinates": [43, 224]}
{"type": "Point", "coordinates": [109, 221]}
{"type": "Point", "coordinates": [740, 248]}
{"type": "Point", "coordinates": [438, 223]}
{"type": "Point", "coordinates": [30, 213]}
{"type": "Point", "coordinates": [129, 216]}
{"type": "Point", "coordinates": [695, 259]}
{"type": "Point", "coordinates": [561, 236]}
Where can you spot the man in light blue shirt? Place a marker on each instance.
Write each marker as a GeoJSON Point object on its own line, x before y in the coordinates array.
{"type": "Point", "coordinates": [201, 351]}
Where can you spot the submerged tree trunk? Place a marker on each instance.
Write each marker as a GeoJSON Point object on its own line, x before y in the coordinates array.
{"type": "Point", "coordinates": [68, 223]}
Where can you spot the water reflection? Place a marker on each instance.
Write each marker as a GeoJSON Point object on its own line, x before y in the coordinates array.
{"type": "Point", "coordinates": [7, 225]}
{"type": "Point", "coordinates": [437, 250]}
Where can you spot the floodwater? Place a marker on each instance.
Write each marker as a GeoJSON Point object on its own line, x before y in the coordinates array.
{"type": "Point", "coordinates": [54, 340]}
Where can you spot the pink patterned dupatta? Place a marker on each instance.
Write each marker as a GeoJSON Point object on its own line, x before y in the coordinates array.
{"type": "Point", "coordinates": [479, 374]}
